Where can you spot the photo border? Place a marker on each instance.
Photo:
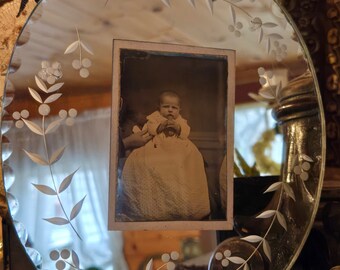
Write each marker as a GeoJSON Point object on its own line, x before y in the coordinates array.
{"type": "Point", "coordinates": [226, 224]}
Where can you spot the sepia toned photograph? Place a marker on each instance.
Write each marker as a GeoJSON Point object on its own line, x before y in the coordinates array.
{"type": "Point", "coordinates": [171, 164]}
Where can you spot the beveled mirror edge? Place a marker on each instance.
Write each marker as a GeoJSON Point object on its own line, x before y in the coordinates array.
{"type": "Point", "coordinates": [323, 131]}
{"type": "Point", "coordinates": [15, 251]}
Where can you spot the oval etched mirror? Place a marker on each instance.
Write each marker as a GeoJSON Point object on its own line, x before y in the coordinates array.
{"type": "Point", "coordinates": [162, 134]}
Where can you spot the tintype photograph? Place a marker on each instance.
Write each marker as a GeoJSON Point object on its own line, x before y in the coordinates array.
{"type": "Point", "coordinates": [171, 164]}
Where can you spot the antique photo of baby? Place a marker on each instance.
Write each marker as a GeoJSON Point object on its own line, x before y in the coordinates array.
{"type": "Point", "coordinates": [171, 148]}
{"type": "Point", "coordinates": [164, 179]}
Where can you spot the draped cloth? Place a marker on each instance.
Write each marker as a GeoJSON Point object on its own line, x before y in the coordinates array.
{"type": "Point", "coordinates": [163, 181]}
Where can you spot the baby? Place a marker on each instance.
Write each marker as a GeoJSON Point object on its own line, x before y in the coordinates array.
{"type": "Point", "coordinates": [165, 179]}
{"type": "Point", "coordinates": [167, 121]}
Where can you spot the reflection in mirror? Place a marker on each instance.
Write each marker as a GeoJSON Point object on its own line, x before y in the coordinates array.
{"type": "Point", "coordinates": [56, 157]}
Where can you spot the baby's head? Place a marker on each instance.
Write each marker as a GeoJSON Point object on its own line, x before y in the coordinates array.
{"type": "Point", "coordinates": [169, 105]}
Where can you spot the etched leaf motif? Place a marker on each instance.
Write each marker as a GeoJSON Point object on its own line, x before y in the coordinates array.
{"type": "Point", "coordinates": [57, 155]}
{"type": "Point", "coordinates": [66, 182]}
{"type": "Point", "coordinates": [35, 95]}
{"type": "Point", "coordinates": [275, 36]}
{"type": "Point", "coordinates": [166, 2]}
{"type": "Point", "coordinates": [210, 5]}
{"type": "Point", "coordinates": [278, 88]}
{"type": "Point", "coordinates": [76, 209]}
{"type": "Point", "coordinates": [75, 259]}
{"type": "Point", "coordinates": [86, 48]}
{"type": "Point", "coordinates": [33, 127]}
{"type": "Point", "coordinates": [52, 98]}
{"type": "Point", "coordinates": [236, 260]}
{"type": "Point", "coordinates": [261, 35]}
{"type": "Point", "coordinates": [273, 187]}
{"type": "Point", "coordinates": [233, 14]}
{"type": "Point", "coordinates": [252, 238]}
{"type": "Point", "coordinates": [267, 250]}
{"type": "Point", "coordinates": [36, 158]}
{"type": "Point", "coordinates": [288, 189]}
{"type": "Point", "coordinates": [257, 97]}
{"type": "Point", "coordinates": [269, 25]}
{"type": "Point", "coordinates": [246, 267]}
{"type": "Point", "coordinates": [45, 189]}
{"type": "Point", "coordinates": [267, 94]}
{"type": "Point", "coordinates": [42, 86]}
{"type": "Point", "coordinates": [72, 47]}
{"type": "Point", "coordinates": [55, 87]}
{"type": "Point", "coordinates": [57, 220]}
{"type": "Point", "coordinates": [267, 214]}
{"type": "Point", "coordinates": [307, 158]}
{"type": "Point", "coordinates": [281, 220]}
{"type": "Point", "coordinates": [149, 266]}
{"type": "Point", "coordinates": [53, 126]}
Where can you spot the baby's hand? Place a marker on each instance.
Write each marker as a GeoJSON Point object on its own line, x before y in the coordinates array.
{"type": "Point", "coordinates": [172, 129]}
{"type": "Point", "coordinates": [162, 126]}
{"type": "Point", "coordinates": [174, 125]}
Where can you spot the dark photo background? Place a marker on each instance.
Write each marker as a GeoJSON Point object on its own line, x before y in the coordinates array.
{"type": "Point", "coordinates": [201, 82]}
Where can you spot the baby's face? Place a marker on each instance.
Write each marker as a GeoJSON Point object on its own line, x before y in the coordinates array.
{"type": "Point", "coordinates": [169, 107]}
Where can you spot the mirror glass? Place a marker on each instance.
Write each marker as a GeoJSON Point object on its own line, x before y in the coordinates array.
{"type": "Point", "coordinates": [58, 127]}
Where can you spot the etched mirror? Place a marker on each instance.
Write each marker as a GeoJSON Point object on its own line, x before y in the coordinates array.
{"type": "Point", "coordinates": [239, 135]}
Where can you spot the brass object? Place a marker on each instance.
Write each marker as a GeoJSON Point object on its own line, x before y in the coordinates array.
{"type": "Point", "coordinates": [298, 113]}
{"type": "Point", "coordinates": [325, 26]}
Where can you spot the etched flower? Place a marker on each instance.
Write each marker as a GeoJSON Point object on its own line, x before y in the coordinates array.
{"type": "Point", "coordinates": [303, 167]}
{"type": "Point", "coordinates": [82, 66]}
{"type": "Point", "coordinates": [236, 28]}
{"type": "Point", "coordinates": [69, 116]}
{"type": "Point", "coordinates": [255, 24]}
{"type": "Point", "coordinates": [169, 259]}
{"type": "Point", "coordinates": [44, 109]}
{"type": "Point", "coordinates": [225, 258]}
{"type": "Point", "coordinates": [59, 257]}
{"type": "Point", "coordinates": [24, 114]}
{"type": "Point", "coordinates": [50, 73]}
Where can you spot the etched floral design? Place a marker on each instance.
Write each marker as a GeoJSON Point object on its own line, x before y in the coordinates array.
{"type": "Point", "coordinates": [275, 215]}
{"type": "Point", "coordinates": [48, 158]}
{"type": "Point", "coordinates": [69, 116]}
{"type": "Point", "coordinates": [302, 166]}
{"type": "Point", "coordinates": [269, 91]}
{"type": "Point", "coordinates": [81, 64]}
{"type": "Point", "coordinates": [24, 114]}
{"type": "Point", "coordinates": [236, 28]}
{"type": "Point", "coordinates": [226, 259]}
{"type": "Point", "coordinates": [264, 29]}
{"type": "Point", "coordinates": [168, 259]}
{"type": "Point", "coordinates": [65, 259]}
{"type": "Point", "coordinates": [50, 73]}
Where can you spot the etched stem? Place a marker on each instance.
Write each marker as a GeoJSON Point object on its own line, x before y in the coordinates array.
{"type": "Point", "coordinates": [73, 266]}
{"type": "Point", "coordinates": [161, 266]}
{"type": "Point", "coordinates": [80, 50]}
{"type": "Point", "coordinates": [53, 180]}
{"type": "Point", "coordinates": [266, 234]}
{"type": "Point", "coordinates": [232, 4]}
